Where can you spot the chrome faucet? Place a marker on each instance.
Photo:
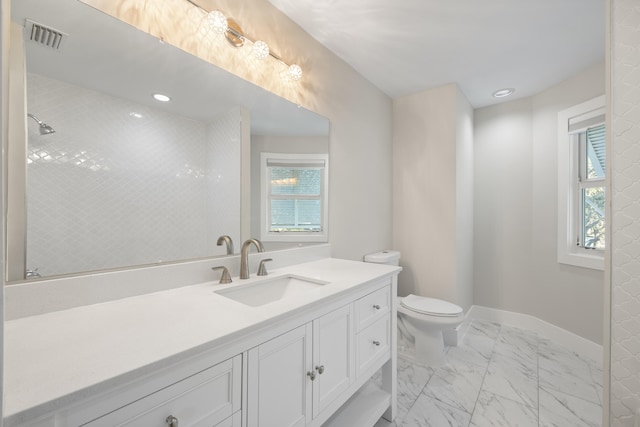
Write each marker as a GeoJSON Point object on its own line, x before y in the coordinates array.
{"type": "Point", "coordinates": [226, 239]}
{"type": "Point", "coordinates": [244, 256]}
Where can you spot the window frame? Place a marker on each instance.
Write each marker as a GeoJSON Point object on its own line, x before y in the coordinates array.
{"type": "Point", "coordinates": [265, 191]}
{"type": "Point", "coordinates": [569, 188]}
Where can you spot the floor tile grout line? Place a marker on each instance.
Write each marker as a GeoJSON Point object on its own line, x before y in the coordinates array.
{"type": "Point", "coordinates": [538, 346]}
{"type": "Point", "coordinates": [483, 378]}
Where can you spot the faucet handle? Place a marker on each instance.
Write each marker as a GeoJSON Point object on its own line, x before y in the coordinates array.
{"type": "Point", "coordinates": [262, 269]}
{"type": "Point", "coordinates": [225, 277]}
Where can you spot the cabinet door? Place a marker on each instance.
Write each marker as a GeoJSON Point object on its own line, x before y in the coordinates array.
{"type": "Point", "coordinates": [333, 356]}
{"type": "Point", "coordinates": [201, 400]}
{"type": "Point", "coordinates": [279, 390]}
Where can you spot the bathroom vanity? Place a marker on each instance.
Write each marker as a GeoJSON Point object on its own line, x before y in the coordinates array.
{"type": "Point", "coordinates": [205, 355]}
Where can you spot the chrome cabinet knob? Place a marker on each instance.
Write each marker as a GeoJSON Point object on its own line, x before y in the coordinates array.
{"type": "Point", "coordinates": [376, 306]}
{"type": "Point", "coordinates": [320, 369]}
{"type": "Point", "coordinates": [376, 343]}
{"type": "Point", "coordinates": [172, 421]}
{"type": "Point", "coordinates": [312, 375]}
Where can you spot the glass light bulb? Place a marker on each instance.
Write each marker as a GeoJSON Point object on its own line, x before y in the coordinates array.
{"type": "Point", "coordinates": [217, 22]}
{"type": "Point", "coordinates": [294, 72]}
{"type": "Point", "coordinates": [260, 50]}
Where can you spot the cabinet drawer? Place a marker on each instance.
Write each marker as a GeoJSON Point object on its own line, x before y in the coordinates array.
{"type": "Point", "coordinates": [372, 307]}
{"type": "Point", "coordinates": [201, 400]}
{"type": "Point", "coordinates": [373, 344]}
{"type": "Point", "coordinates": [233, 421]}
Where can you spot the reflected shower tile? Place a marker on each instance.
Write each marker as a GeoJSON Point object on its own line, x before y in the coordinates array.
{"type": "Point", "coordinates": [496, 411]}
{"type": "Point", "coordinates": [428, 412]}
{"type": "Point", "coordinates": [513, 380]}
{"type": "Point", "coordinates": [559, 409]}
{"type": "Point", "coordinates": [456, 385]}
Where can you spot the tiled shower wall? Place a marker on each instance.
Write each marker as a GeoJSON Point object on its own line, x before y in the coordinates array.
{"type": "Point", "coordinates": [111, 189]}
{"type": "Point", "coordinates": [625, 239]}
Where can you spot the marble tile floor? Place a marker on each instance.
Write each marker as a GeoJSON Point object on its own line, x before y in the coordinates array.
{"type": "Point", "coordinates": [500, 376]}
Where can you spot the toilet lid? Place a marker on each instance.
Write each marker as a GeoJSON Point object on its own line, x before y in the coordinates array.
{"type": "Point", "coordinates": [431, 306]}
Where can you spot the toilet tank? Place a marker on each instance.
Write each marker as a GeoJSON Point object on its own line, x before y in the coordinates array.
{"type": "Point", "coordinates": [388, 257]}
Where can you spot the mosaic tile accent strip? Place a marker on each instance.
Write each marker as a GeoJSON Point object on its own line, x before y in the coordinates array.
{"type": "Point", "coordinates": [625, 222]}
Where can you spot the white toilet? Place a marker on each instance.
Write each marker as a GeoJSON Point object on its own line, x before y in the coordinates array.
{"type": "Point", "coordinates": [422, 320]}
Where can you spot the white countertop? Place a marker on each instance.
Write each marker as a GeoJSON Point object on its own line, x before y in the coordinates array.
{"type": "Point", "coordinates": [65, 356]}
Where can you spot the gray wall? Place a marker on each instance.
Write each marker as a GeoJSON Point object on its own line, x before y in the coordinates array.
{"type": "Point", "coordinates": [516, 212]}
{"type": "Point", "coordinates": [433, 194]}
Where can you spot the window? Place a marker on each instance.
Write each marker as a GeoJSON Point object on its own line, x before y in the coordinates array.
{"type": "Point", "coordinates": [590, 187]}
{"type": "Point", "coordinates": [294, 197]}
{"type": "Point", "coordinates": [581, 184]}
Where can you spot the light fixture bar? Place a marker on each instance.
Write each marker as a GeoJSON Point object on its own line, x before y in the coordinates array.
{"type": "Point", "coordinates": [236, 37]}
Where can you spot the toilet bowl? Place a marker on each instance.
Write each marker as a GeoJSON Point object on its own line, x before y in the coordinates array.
{"type": "Point", "coordinates": [422, 321]}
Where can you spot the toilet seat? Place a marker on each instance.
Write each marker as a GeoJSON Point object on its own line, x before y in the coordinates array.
{"type": "Point", "coordinates": [430, 306]}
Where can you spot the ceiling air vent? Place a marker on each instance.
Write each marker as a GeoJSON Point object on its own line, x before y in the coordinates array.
{"type": "Point", "coordinates": [46, 36]}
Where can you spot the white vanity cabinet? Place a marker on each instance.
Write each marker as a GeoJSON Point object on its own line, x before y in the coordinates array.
{"type": "Point", "coordinates": [294, 377]}
{"type": "Point", "coordinates": [305, 362]}
{"type": "Point", "coordinates": [211, 398]}
{"type": "Point", "coordinates": [302, 377]}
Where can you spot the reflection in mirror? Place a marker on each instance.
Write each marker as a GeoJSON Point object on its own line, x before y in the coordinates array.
{"type": "Point", "coordinates": [125, 180]}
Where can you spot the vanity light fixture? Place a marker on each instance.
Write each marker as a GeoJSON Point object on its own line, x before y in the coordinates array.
{"type": "Point", "coordinates": [160, 97]}
{"type": "Point", "coordinates": [218, 23]}
{"type": "Point", "coordinates": [503, 92]}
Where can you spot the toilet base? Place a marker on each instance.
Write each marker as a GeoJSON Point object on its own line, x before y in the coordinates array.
{"type": "Point", "coordinates": [428, 350]}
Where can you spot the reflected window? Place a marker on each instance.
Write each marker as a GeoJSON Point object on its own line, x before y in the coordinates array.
{"type": "Point", "coordinates": [294, 197]}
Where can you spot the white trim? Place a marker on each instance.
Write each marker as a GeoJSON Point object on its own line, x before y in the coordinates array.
{"type": "Point", "coordinates": [568, 253]}
{"type": "Point", "coordinates": [580, 345]}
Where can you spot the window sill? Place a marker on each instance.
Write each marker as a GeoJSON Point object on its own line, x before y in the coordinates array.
{"type": "Point", "coordinates": [297, 238]}
{"type": "Point", "coordinates": [594, 262]}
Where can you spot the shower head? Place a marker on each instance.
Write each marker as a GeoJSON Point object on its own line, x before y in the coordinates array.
{"type": "Point", "coordinates": [45, 129]}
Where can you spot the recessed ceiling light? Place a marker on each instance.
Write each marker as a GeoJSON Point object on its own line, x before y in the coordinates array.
{"type": "Point", "coordinates": [161, 97]}
{"type": "Point", "coordinates": [503, 92]}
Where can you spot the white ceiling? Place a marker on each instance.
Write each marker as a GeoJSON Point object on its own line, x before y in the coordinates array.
{"type": "Point", "coordinates": [406, 46]}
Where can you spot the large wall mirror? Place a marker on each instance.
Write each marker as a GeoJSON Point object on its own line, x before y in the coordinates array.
{"type": "Point", "coordinates": [115, 178]}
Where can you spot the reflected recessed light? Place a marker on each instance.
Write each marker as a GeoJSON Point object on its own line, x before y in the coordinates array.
{"type": "Point", "coordinates": [135, 115]}
{"type": "Point", "coordinates": [503, 92]}
{"type": "Point", "coordinates": [161, 97]}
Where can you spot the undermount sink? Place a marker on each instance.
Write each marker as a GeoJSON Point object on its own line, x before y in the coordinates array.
{"type": "Point", "coordinates": [268, 290]}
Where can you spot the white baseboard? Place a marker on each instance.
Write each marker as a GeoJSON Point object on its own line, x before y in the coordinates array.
{"type": "Point", "coordinates": [580, 345]}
